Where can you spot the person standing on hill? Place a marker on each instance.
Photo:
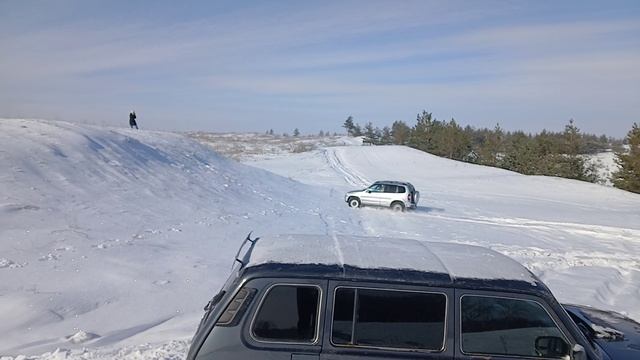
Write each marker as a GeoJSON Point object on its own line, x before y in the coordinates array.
{"type": "Point", "coordinates": [132, 120]}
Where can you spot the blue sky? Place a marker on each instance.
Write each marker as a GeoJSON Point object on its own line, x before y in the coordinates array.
{"type": "Point", "coordinates": [253, 66]}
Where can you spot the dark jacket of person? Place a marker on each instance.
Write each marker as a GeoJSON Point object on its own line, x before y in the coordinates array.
{"type": "Point", "coordinates": [132, 119]}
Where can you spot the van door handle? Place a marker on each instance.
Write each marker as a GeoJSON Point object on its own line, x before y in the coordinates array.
{"type": "Point", "coordinates": [305, 357]}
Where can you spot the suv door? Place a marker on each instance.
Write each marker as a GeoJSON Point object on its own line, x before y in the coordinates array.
{"type": "Point", "coordinates": [371, 196]}
{"type": "Point", "coordinates": [508, 326]}
{"type": "Point", "coordinates": [378, 321]}
{"type": "Point", "coordinates": [389, 194]}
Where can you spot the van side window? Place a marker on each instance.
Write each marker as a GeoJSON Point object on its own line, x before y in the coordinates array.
{"type": "Point", "coordinates": [288, 313]}
{"type": "Point", "coordinates": [389, 319]}
{"type": "Point", "coordinates": [515, 327]}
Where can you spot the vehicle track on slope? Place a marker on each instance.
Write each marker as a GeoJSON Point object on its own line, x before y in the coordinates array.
{"type": "Point", "coordinates": [337, 164]}
{"type": "Point", "coordinates": [603, 232]}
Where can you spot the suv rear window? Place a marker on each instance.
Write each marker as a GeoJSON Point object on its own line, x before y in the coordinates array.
{"type": "Point", "coordinates": [505, 326]}
{"type": "Point", "coordinates": [288, 313]}
{"type": "Point", "coordinates": [389, 319]}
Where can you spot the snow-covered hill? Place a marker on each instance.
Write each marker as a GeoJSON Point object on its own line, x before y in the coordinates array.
{"type": "Point", "coordinates": [111, 240]}
{"type": "Point", "coordinates": [121, 236]}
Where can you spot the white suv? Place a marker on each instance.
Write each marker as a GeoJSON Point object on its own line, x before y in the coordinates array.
{"type": "Point", "coordinates": [394, 194]}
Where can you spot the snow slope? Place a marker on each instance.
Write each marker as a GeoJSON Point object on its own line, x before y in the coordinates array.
{"type": "Point", "coordinates": [117, 236]}
{"type": "Point", "coordinates": [582, 239]}
{"type": "Point", "coordinates": [112, 240]}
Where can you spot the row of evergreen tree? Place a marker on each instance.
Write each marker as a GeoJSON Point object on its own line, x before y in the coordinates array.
{"type": "Point", "coordinates": [546, 153]}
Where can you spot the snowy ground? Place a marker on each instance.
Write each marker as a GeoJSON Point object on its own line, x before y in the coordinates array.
{"type": "Point", "coordinates": [112, 240]}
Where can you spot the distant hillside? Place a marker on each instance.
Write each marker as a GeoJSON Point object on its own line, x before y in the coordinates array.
{"type": "Point", "coordinates": [250, 146]}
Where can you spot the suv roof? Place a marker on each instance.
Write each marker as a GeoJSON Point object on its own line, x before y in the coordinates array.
{"type": "Point", "coordinates": [391, 182]}
{"type": "Point", "coordinates": [389, 260]}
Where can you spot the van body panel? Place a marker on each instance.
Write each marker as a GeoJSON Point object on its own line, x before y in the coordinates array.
{"type": "Point", "coordinates": [238, 342]}
{"type": "Point", "coordinates": [331, 351]}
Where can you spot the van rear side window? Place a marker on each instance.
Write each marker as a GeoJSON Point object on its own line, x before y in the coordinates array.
{"type": "Point", "coordinates": [389, 319]}
{"type": "Point", "coordinates": [288, 313]}
{"type": "Point", "coordinates": [510, 327]}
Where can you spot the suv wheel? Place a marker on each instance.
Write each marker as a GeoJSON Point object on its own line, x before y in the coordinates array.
{"type": "Point", "coordinates": [397, 206]}
{"type": "Point", "coordinates": [354, 202]}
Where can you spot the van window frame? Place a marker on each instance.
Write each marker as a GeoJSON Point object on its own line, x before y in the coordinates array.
{"type": "Point", "coordinates": [318, 329]}
{"type": "Point", "coordinates": [396, 288]}
{"type": "Point", "coordinates": [460, 293]}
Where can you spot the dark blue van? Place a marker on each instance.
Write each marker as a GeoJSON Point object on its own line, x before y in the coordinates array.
{"type": "Point", "coordinates": [306, 297]}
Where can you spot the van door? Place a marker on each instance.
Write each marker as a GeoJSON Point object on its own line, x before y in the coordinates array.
{"type": "Point", "coordinates": [376, 321]}
{"type": "Point", "coordinates": [284, 321]}
{"type": "Point", "coordinates": [508, 326]}
{"type": "Point", "coordinates": [287, 321]}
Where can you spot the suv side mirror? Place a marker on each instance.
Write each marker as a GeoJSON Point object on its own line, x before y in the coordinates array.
{"type": "Point", "coordinates": [552, 346]}
{"type": "Point", "coordinates": [368, 191]}
{"type": "Point", "coordinates": [578, 352]}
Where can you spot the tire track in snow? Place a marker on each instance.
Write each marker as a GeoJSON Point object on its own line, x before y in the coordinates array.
{"type": "Point", "coordinates": [603, 232]}
{"type": "Point", "coordinates": [346, 173]}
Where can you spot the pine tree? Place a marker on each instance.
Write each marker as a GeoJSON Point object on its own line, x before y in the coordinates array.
{"type": "Point", "coordinates": [296, 132]}
{"type": "Point", "coordinates": [453, 142]}
{"type": "Point", "coordinates": [422, 134]}
{"type": "Point", "coordinates": [520, 155]}
{"type": "Point", "coordinates": [357, 130]}
{"type": "Point", "coordinates": [385, 137]}
{"type": "Point", "coordinates": [491, 146]}
{"type": "Point", "coordinates": [400, 132]}
{"type": "Point", "coordinates": [572, 164]}
{"type": "Point", "coordinates": [350, 126]}
{"type": "Point", "coordinates": [628, 176]}
{"type": "Point", "coordinates": [370, 133]}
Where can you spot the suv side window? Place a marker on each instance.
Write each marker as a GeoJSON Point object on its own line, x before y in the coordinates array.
{"type": "Point", "coordinates": [506, 326]}
{"type": "Point", "coordinates": [401, 190]}
{"type": "Point", "coordinates": [390, 189]}
{"type": "Point", "coordinates": [389, 319]}
{"type": "Point", "coordinates": [288, 313]}
{"type": "Point", "coordinates": [376, 188]}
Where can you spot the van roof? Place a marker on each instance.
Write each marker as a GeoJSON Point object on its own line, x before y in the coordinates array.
{"type": "Point", "coordinates": [389, 260]}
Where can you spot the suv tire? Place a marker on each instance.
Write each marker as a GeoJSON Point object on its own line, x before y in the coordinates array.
{"type": "Point", "coordinates": [397, 206]}
{"type": "Point", "coordinates": [354, 202]}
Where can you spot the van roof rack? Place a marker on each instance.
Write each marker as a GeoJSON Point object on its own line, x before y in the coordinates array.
{"type": "Point", "coordinates": [247, 254]}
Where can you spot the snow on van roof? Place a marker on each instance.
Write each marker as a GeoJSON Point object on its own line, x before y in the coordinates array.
{"type": "Point", "coordinates": [458, 261]}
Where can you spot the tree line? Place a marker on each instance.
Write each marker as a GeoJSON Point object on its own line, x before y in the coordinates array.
{"type": "Point", "coordinates": [546, 153]}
